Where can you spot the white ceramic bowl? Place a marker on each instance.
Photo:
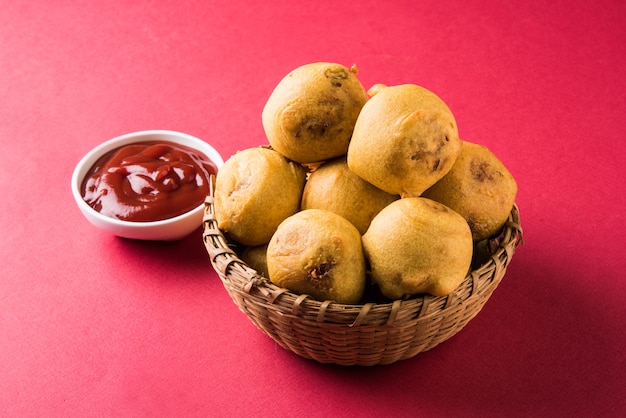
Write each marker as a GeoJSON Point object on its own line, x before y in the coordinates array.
{"type": "Point", "coordinates": [165, 230]}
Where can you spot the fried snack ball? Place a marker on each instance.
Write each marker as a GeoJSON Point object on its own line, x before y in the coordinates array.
{"type": "Point", "coordinates": [255, 190]}
{"type": "Point", "coordinates": [405, 139]}
{"type": "Point", "coordinates": [416, 245]}
{"type": "Point", "coordinates": [480, 188]}
{"type": "Point", "coordinates": [334, 187]}
{"type": "Point", "coordinates": [310, 115]}
{"type": "Point", "coordinates": [319, 253]}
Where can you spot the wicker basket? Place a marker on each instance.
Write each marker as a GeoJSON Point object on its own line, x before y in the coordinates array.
{"type": "Point", "coordinates": [368, 334]}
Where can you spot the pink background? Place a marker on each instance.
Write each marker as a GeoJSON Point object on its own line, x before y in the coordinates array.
{"type": "Point", "coordinates": [94, 325]}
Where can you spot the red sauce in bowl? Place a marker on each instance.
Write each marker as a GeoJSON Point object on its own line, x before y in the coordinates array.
{"type": "Point", "coordinates": [148, 181]}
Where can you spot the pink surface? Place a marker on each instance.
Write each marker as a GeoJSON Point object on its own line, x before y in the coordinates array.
{"type": "Point", "coordinates": [94, 325]}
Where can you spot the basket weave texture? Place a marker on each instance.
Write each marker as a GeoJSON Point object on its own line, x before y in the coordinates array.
{"type": "Point", "coordinates": [367, 334]}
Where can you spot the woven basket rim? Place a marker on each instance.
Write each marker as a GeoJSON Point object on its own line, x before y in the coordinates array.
{"type": "Point", "coordinates": [373, 333]}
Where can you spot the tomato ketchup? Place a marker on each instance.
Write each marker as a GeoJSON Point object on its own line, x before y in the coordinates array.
{"type": "Point", "coordinates": [148, 181]}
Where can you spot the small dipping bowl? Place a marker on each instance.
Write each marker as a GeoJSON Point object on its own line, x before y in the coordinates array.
{"type": "Point", "coordinates": [171, 229]}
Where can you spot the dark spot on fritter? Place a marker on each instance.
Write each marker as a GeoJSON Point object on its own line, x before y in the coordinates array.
{"type": "Point", "coordinates": [320, 270]}
{"type": "Point", "coordinates": [324, 121]}
{"type": "Point", "coordinates": [431, 157]}
{"type": "Point", "coordinates": [481, 171]}
{"type": "Point", "coordinates": [336, 73]}
{"type": "Point", "coordinates": [336, 76]}
{"type": "Point", "coordinates": [320, 277]}
{"type": "Point", "coordinates": [312, 128]}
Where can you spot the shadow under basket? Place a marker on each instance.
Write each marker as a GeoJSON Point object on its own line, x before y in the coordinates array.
{"type": "Point", "coordinates": [366, 334]}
